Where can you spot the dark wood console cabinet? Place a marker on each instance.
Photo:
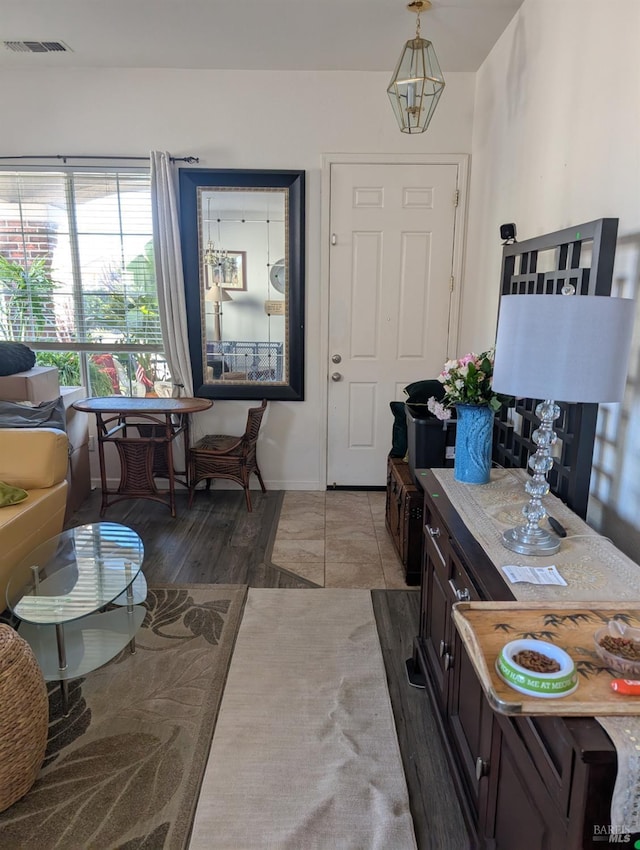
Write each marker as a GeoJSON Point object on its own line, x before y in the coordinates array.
{"type": "Point", "coordinates": [403, 517]}
{"type": "Point", "coordinates": [524, 783]}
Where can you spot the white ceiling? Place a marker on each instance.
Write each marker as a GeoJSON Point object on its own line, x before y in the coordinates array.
{"type": "Point", "coordinates": [313, 35]}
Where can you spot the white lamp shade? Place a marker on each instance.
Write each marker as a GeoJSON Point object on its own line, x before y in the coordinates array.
{"type": "Point", "coordinates": [216, 293]}
{"type": "Point", "coordinates": [572, 348]}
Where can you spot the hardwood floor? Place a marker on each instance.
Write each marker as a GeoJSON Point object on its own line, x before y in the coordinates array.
{"type": "Point", "coordinates": [437, 817]}
{"type": "Point", "coordinates": [217, 541]}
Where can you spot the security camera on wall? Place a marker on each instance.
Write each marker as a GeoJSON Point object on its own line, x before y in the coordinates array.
{"type": "Point", "coordinates": [508, 233]}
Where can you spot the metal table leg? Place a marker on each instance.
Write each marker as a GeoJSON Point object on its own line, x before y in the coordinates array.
{"type": "Point", "coordinates": [62, 666]}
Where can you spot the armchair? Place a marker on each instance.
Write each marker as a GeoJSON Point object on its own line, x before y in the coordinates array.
{"type": "Point", "coordinates": [227, 456]}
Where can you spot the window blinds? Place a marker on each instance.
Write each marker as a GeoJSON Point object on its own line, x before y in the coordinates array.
{"type": "Point", "coordinates": [76, 259]}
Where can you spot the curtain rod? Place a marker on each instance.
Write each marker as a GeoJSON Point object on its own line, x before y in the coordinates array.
{"type": "Point", "coordinates": [65, 157]}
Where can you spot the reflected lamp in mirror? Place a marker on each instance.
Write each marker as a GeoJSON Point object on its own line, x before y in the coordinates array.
{"type": "Point", "coordinates": [568, 348]}
{"type": "Point", "coordinates": [216, 295]}
{"type": "Point", "coordinates": [243, 240]}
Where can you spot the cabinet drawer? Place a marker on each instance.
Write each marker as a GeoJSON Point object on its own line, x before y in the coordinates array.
{"type": "Point", "coordinates": [438, 548]}
{"type": "Point", "coordinates": [460, 583]}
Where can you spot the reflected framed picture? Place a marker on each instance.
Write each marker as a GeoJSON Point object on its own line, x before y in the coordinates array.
{"type": "Point", "coordinates": [231, 272]}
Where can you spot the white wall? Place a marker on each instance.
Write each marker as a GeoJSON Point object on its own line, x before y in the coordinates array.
{"type": "Point", "coordinates": [556, 136]}
{"type": "Point", "coordinates": [556, 142]}
{"type": "Point", "coordinates": [235, 120]}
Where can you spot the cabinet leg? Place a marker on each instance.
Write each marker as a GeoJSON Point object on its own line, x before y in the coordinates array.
{"type": "Point", "coordinates": [414, 676]}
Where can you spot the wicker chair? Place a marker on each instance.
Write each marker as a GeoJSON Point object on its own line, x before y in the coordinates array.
{"type": "Point", "coordinates": [226, 456]}
{"type": "Point", "coordinates": [24, 719]}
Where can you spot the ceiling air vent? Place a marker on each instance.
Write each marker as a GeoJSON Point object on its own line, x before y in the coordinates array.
{"type": "Point", "coordinates": [37, 46]}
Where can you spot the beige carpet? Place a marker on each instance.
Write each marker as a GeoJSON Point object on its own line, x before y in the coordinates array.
{"type": "Point", "coordinates": [305, 754]}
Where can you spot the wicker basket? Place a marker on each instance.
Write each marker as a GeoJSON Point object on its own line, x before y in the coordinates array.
{"type": "Point", "coordinates": [24, 717]}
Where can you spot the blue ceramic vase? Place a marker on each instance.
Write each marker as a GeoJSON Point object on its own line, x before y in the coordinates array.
{"type": "Point", "coordinates": [474, 436]}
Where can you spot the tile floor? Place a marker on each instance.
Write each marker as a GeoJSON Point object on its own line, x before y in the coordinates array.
{"type": "Point", "coordinates": [337, 538]}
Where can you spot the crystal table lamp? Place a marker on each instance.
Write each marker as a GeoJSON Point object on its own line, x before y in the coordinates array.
{"type": "Point", "coordinates": [570, 348]}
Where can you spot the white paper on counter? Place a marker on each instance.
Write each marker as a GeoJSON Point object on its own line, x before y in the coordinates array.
{"type": "Point", "coordinates": [534, 575]}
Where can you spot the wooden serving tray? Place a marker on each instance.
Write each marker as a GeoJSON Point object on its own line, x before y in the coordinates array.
{"type": "Point", "coordinates": [485, 627]}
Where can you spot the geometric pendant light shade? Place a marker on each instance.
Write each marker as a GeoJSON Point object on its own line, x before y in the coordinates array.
{"type": "Point", "coordinates": [417, 82]}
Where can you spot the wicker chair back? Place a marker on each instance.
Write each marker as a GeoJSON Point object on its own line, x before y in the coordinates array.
{"type": "Point", "coordinates": [228, 456]}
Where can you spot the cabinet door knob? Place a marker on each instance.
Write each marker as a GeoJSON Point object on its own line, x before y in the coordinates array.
{"type": "Point", "coordinates": [448, 661]}
{"type": "Point", "coordinates": [433, 532]}
{"type": "Point", "coordinates": [443, 648]}
{"type": "Point", "coordinates": [482, 768]}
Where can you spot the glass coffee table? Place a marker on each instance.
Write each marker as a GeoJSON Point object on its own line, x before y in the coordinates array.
{"type": "Point", "coordinates": [78, 596]}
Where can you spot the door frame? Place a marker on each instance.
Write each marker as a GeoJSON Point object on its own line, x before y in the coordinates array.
{"type": "Point", "coordinates": [457, 260]}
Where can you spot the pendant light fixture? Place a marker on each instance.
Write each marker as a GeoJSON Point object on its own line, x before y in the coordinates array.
{"type": "Point", "coordinates": [417, 82]}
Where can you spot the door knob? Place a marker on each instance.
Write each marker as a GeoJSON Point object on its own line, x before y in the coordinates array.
{"type": "Point", "coordinates": [336, 376]}
{"type": "Point", "coordinates": [336, 358]}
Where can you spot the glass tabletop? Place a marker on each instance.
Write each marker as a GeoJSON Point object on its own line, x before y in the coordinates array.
{"type": "Point", "coordinates": [75, 573]}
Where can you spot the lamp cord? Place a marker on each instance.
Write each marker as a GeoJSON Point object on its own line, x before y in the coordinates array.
{"type": "Point", "coordinates": [595, 536]}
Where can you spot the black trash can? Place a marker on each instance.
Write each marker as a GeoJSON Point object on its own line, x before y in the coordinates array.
{"type": "Point", "coordinates": [430, 441]}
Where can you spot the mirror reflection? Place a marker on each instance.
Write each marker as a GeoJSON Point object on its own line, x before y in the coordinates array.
{"type": "Point", "coordinates": [243, 246]}
{"type": "Point", "coordinates": [243, 253]}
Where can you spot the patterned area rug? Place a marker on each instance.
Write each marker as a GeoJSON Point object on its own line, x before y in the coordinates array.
{"type": "Point", "coordinates": [123, 770]}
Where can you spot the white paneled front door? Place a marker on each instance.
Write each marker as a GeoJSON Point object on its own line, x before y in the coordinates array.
{"type": "Point", "coordinates": [391, 293]}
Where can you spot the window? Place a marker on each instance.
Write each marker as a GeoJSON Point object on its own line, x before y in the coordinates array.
{"type": "Point", "coordinates": [77, 277]}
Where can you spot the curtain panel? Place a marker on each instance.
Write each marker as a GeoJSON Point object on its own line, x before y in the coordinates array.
{"type": "Point", "coordinates": [169, 275]}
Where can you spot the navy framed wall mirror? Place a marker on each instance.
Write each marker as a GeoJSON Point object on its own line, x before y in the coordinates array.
{"type": "Point", "coordinates": [242, 235]}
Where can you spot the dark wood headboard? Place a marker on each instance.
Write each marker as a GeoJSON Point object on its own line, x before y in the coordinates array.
{"type": "Point", "coordinates": [582, 256]}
